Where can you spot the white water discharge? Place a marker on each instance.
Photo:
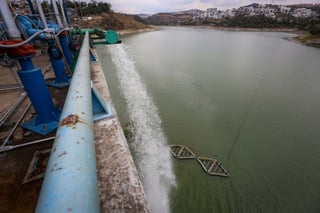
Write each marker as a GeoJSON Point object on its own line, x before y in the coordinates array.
{"type": "Point", "coordinates": [149, 141]}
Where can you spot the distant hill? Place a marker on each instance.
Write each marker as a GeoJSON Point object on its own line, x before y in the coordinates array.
{"type": "Point", "coordinates": [190, 12]}
{"type": "Point", "coordinates": [253, 5]}
{"type": "Point", "coordinates": [254, 15]}
{"type": "Point", "coordinates": [172, 17]}
{"type": "Point", "coordinates": [162, 19]}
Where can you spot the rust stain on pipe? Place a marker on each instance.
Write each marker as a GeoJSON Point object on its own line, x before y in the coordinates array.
{"type": "Point", "coordinates": [70, 120]}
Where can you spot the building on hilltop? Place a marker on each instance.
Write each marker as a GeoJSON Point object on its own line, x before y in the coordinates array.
{"type": "Point", "coordinates": [267, 10]}
{"type": "Point", "coordinates": [303, 13]}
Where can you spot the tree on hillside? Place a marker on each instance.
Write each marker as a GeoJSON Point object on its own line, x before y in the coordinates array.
{"type": "Point", "coordinates": [314, 29]}
{"type": "Point", "coordinates": [92, 8]}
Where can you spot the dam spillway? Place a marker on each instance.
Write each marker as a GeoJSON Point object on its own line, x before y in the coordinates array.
{"type": "Point", "coordinates": [119, 187]}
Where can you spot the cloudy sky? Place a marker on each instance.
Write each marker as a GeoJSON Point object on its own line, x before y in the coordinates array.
{"type": "Point", "coordinates": [154, 6]}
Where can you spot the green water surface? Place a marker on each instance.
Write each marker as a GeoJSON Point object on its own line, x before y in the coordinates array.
{"type": "Point", "coordinates": [249, 99]}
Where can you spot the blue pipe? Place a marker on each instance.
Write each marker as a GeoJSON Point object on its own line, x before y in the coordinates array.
{"type": "Point", "coordinates": [48, 115]}
{"type": "Point", "coordinates": [26, 63]}
{"type": "Point", "coordinates": [39, 96]}
{"type": "Point", "coordinates": [61, 79]}
{"type": "Point", "coordinates": [65, 47]}
{"type": "Point", "coordinates": [70, 183]}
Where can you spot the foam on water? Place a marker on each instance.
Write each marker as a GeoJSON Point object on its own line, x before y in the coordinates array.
{"type": "Point", "coordinates": [149, 141]}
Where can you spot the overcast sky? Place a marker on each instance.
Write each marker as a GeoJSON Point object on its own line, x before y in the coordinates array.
{"type": "Point", "coordinates": [155, 6]}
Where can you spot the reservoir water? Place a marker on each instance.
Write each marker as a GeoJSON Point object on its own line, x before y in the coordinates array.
{"type": "Point", "coordinates": [249, 99]}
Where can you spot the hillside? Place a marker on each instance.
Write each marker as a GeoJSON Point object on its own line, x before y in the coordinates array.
{"type": "Point", "coordinates": [111, 20]}
{"type": "Point", "coordinates": [162, 19]}
{"type": "Point", "coordinates": [173, 18]}
{"type": "Point", "coordinates": [255, 15]}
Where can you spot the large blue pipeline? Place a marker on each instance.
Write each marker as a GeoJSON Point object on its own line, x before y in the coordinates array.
{"type": "Point", "coordinates": [70, 183]}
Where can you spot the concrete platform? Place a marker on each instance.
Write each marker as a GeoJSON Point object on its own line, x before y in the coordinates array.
{"type": "Point", "coordinates": [120, 189]}
{"type": "Point", "coordinates": [14, 195]}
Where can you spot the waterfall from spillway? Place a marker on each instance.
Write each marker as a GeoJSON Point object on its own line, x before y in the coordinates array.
{"type": "Point", "coordinates": [149, 142]}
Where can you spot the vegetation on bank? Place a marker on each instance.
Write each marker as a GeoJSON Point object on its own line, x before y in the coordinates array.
{"type": "Point", "coordinates": [100, 15]}
{"type": "Point", "coordinates": [311, 25]}
{"type": "Point", "coordinates": [266, 22]}
{"type": "Point", "coordinates": [309, 40]}
{"type": "Point", "coordinates": [314, 29]}
{"type": "Point", "coordinates": [86, 9]}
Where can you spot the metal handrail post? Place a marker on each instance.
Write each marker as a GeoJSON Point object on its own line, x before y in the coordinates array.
{"type": "Point", "coordinates": [70, 183]}
{"type": "Point", "coordinates": [56, 11]}
{"type": "Point", "coordinates": [12, 29]}
{"type": "Point", "coordinates": [63, 14]}
{"type": "Point", "coordinates": [41, 13]}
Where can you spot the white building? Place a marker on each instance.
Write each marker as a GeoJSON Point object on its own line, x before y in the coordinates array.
{"type": "Point", "coordinates": [230, 13]}
{"type": "Point", "coordinates": [285, 10]}
{"type": "Point", "coordinates": [212, 13]}
{"type": "Point", "coordinates": [303, 13]}
{"type": "Point", "coordinates": [212, 10]}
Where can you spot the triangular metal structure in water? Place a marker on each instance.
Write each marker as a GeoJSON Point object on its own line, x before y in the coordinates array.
{"type": "Point", "coordinates": [212, 167]}
{"type": "Point", "coordinates": [101, 110]}
{"type": "Point", "coordinates": [181, 152]}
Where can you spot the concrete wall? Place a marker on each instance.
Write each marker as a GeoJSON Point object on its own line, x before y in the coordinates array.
{"type": "Point", "coordinates": [120, 188]}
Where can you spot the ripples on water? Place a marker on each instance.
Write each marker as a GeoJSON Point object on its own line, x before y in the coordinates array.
{"type": "Point", "coordinates": [149, 142]}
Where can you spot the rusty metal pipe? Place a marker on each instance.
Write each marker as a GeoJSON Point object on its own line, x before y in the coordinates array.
{"type": "Point", "coordinates": [11, 87]}
{"type": "Point", "coordinates": [12, 147]}
{"type": "Point", "coordinates": [70, 183]}
{"type": "Point", "coordinates": [12, 108]}
{"type": "Point", "coordinates": [16, 125]}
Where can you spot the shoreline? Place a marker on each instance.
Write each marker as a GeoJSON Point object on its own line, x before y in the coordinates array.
{"type": "Point", "coordinates": [307, 39]}
{"type": "Point", "coordinates": [133, 31]}
{"type": "Point", "coordinates": [302, 37]}
{"type": "Point", "coordinates": [238, 29]}
{"type": "Point", "coordinates": [242, 29]}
